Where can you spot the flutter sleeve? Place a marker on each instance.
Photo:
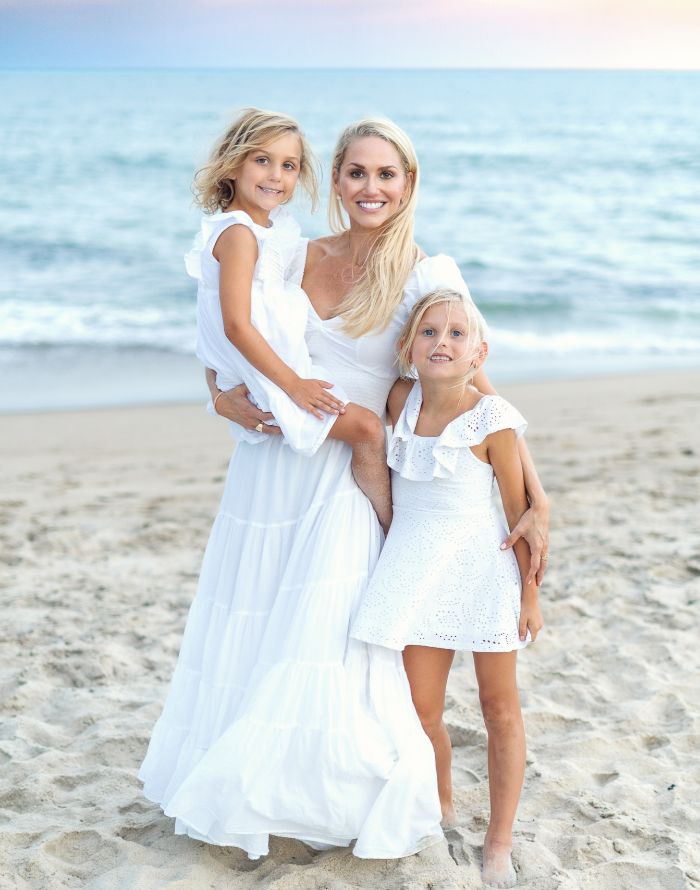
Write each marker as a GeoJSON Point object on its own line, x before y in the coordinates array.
{"type": "Point", "coordinates": [210, 229]}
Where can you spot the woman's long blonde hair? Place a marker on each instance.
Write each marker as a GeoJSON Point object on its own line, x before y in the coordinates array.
{"type": "Point", "coordinates": [372, 300]}
{"type": "Point", "coordinates": [214, 184]}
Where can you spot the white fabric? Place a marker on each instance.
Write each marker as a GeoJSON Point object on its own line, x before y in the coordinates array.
{"type": "Point", "coordinates": [279, 311]}
{"type": "Point", "coordinates": [276, 721]}
{"type": "Point", "coordinates": [442, 579]}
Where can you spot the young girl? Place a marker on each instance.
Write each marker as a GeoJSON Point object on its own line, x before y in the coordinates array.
{"type": "Point", "coordinates": [250, 320]}
{"type": "Point", "coordinates": [442, 581]}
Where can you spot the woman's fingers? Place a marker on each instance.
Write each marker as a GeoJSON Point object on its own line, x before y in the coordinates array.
{"type": "Point", "coordinates": [522, 627]}
{"type": "Point", "coordinates": [535, 567]}
{"type": "Point", "coordinates": [540, 572]}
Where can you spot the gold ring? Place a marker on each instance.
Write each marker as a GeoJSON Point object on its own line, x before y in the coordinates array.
{"type": "Point", "coordinates": [259, 427]}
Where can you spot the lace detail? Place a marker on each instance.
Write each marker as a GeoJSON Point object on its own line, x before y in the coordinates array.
{"type": "Point", "coordinates": [422, 458]}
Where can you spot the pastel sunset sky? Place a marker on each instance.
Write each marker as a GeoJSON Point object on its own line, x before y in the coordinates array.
{"type": "Point", "coordinates": [350, 33]}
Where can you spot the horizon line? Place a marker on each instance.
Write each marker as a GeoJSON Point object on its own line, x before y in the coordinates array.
{"type": "Point", "coordinates": [540, 68]}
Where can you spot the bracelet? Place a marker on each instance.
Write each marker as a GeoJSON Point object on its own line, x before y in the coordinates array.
{"type": "Point", "coordinates": [221, 392]}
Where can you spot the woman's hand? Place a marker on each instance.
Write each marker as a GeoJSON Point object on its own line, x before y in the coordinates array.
{"type": "Point", "coordinates": [533, 526]}
{"type": "Point", "coordinates": [234, 404]}
{"type": "Point", "coordinates": [313, 396]}
{"type": "Point", "coordinates": [530, 617]}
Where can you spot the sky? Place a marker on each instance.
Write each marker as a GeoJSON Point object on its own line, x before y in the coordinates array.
{"type": "Point", "coordinates": [657, 34]}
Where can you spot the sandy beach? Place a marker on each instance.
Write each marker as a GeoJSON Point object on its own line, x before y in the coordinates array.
{"type": "Point", "coordinates": [103, 520]}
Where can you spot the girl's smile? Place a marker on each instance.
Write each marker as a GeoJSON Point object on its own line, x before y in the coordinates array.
{"type": "Point", "coordinates": [443, 341]}
{"type": "Point", "coordinates": [267, 178]}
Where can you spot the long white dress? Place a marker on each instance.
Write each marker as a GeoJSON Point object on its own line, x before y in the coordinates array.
{"type": "Point", "coordinates": [277, 722]}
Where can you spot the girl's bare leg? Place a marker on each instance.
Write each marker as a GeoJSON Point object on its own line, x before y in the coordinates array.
{"type": "Point", "coordinates": [364, 432]}
{"type": "Point", "coordinates": [500, 705]}
{"type": "Point", "coordinates": [427, 669]}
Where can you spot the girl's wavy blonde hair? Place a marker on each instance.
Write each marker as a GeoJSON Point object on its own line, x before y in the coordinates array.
{"type": "Point", "coordinates": [475, 334]}
{"type": "Point", "coordinates": [214, 184]}
{"type": "Point", "coordinates": [373, 299]}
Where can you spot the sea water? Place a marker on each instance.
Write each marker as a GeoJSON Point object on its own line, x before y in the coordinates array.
{"type": "Point", "coordinates": [570, 201]}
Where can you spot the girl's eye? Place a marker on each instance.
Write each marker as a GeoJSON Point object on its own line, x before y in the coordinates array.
{"type": "Point", "coordinates": [456, 333]}
{"type": "Point", "coordinates": [288, 165]}
{"type": "Point", "coordinates": [261, 160]}
{"type": "Point", "coordinates": [428, 332]}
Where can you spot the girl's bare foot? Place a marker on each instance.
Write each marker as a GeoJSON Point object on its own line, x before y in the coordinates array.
{"type": "Point", "coordinates": [449, 817]}
{"type": "Point", "coordinates": [497, 866]}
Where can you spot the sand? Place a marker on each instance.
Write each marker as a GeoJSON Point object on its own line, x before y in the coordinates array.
{"type": "Point", "coordinates": [103, 519]}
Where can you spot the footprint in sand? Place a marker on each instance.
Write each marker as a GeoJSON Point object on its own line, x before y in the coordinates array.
{"type": "Point", "coordinates": [78, 847]}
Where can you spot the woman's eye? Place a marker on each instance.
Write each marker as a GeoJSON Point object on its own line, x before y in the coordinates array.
{"type": "Point", "coordinates": [387, 174]}
{"type": "Point", "coordinates": [356, 174]}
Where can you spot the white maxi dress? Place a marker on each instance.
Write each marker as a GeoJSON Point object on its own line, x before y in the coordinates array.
{"type": "Point", "coordinates": [276, 721]}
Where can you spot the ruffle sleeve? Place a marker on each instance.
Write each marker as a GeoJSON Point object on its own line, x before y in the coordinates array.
{"type": "Point", "coordinates": [212, 226]}
{"type": "Point", "coordinates": [421, 459]}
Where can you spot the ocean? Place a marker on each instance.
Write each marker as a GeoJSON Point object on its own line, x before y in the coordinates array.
{"type": "Point", "coordinates": [569, 199]}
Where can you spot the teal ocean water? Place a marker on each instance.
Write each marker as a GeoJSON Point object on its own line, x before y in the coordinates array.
{"type": "Point", "coordinates": [570, 200]}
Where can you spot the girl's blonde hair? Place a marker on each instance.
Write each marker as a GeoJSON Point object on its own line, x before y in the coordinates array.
{"type": "Point", "coordinates": [475, 335]}
{"type": "Point", "coordinates": [373, 299]}
{"type": "Point", "coordinates": [254, 128]}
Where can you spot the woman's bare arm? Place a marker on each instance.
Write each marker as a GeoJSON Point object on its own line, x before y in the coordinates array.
{"type": "Point", "coordinates": [534, 523]}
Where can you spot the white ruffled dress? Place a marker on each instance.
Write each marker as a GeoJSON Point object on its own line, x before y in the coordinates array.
{"type": "Point", "coordinates": [276, 721]}
{"type": "Point", "coordinates": [442, 579]}
{"type": "Point", "coordinates": [279, 310]}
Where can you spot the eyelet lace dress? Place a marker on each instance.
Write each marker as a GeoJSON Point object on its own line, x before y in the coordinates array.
{"type": "Point", "coordinates": [279, 310]}
{"type": "Point", "coordinates": [442, 579]}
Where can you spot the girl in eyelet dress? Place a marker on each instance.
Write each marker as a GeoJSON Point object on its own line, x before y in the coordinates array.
{"type": "Point", "coordinates": [251, 318]}
{"type": "Point", "coordinates": [443, 582]}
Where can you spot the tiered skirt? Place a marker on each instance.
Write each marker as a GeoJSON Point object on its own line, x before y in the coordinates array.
{"type": "Point", "coordinates": [276, 722]}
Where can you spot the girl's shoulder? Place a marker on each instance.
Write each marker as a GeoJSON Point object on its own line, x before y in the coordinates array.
{"type": "Point", "coordinates": [283, 232]}
{"type": "Point", "coordinates": [398, 394]}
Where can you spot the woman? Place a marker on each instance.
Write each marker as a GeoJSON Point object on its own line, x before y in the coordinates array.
{"type": "Point", "coordinates": [311, 734]}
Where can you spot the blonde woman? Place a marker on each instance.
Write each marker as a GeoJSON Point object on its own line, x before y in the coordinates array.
{"type": "Point", "coordinates": [277, 721]}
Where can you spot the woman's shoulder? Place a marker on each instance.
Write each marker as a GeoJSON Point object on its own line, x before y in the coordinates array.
{"type": "Point", "coordinates": [320, 248]}
{"type": "Point", "coordinates": [432, 272]}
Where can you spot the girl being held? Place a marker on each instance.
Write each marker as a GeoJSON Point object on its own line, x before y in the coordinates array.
{"type": "Point", "coordinates": [251, 313]}
{"type": "Point", "coordinates": [443, 582]}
